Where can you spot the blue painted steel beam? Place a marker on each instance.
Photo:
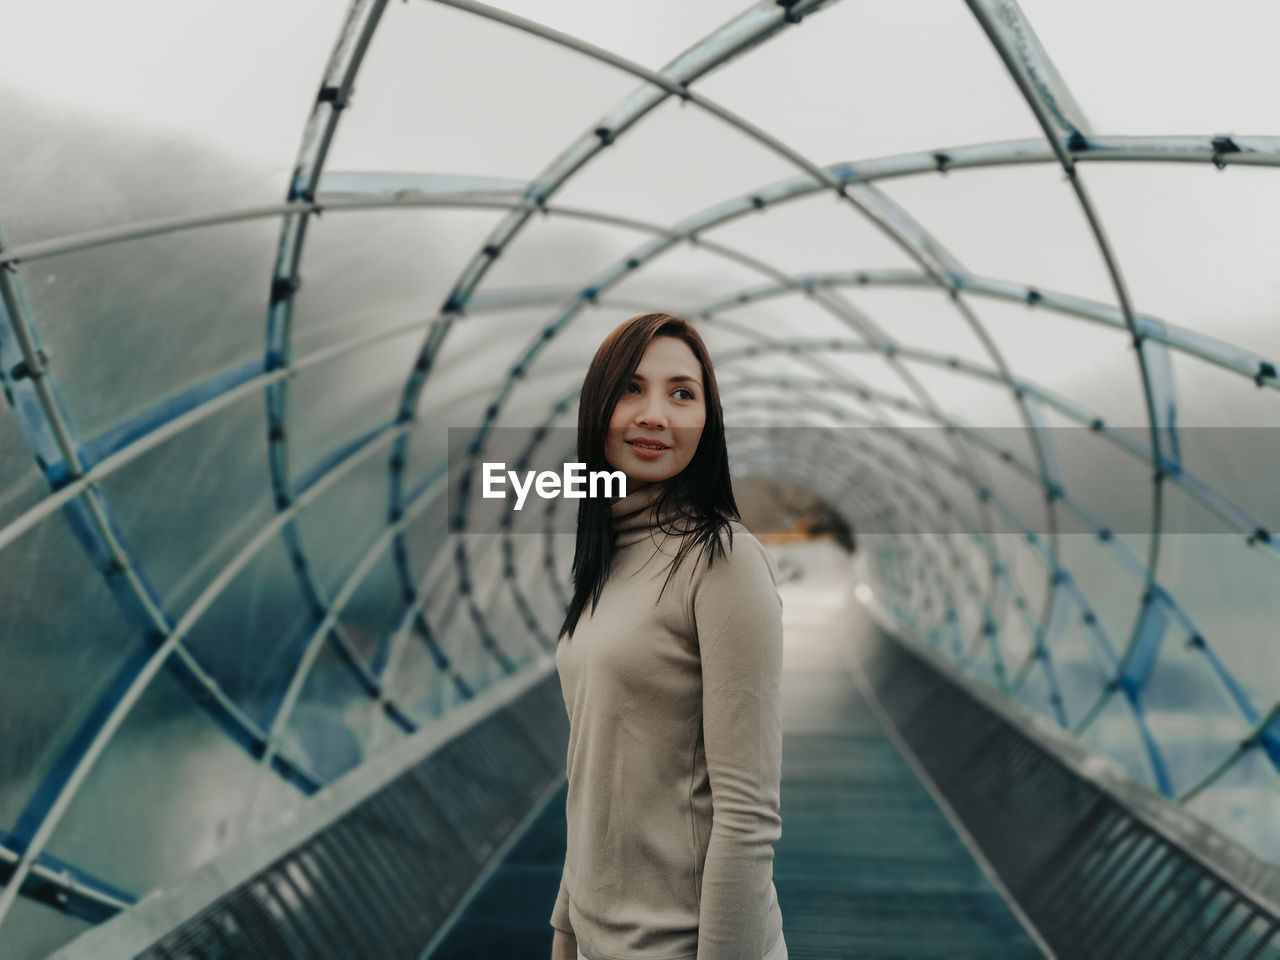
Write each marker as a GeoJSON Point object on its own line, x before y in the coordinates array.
{"type": "Point", "coordinates": [44, 424]}
{"type": "Point", "coordinates": [753, 26]}
{"type": "Point", "coordinates": [332, 99]}
{"type": "Point", "coordinates": [65, 887]}
{"type": "Point", "coordinates": [1017, 523]}
{"type": "Point", "coordinates": [1014, 41]}
{"type": "Point", "coordinates": [1261, 370]}
{"type": "Point", "coordinates": [891, 219]}
{"type": "Point", "coordinates": [92, 739]}
{"type": "Point", "coordinates": [421, 188]}
{"type": "Point", "coordinates": [1176, 473]}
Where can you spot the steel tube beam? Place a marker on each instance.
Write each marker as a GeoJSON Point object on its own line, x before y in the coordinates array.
{"type": "Point", "coordinates": [890, 219]}
{"type": "Point", "coordinates": [1014, 42]}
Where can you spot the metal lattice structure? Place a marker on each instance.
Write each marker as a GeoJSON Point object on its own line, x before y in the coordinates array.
{"type": "Point", "coordinates": [383, 613]}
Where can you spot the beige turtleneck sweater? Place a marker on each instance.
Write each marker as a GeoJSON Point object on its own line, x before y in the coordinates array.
{"type": "Point", "coordinates": [675, 751]}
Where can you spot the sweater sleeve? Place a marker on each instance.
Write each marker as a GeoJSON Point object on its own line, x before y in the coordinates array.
{"type": "Point", "coordinates": [738, 618]}
{"type": "Point", "coordinates": [560, 913]}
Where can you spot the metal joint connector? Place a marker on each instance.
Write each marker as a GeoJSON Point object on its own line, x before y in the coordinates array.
{"type": "Point", "coordinates": [1222, 145]}
{"type": "Point", "coordinates": [333, 96]}
{"type": "Point", "coordinates": [790, 15]}
{"type": "Point", "coordinates": [282, 288]}
{"type": "Point", "coordinates": [23, 370]}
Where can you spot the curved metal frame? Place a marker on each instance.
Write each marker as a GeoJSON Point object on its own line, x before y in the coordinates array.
{"type": "Point", "coordinates": [75, 478]}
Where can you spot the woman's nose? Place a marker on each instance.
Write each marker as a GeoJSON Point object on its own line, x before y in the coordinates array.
{"type": "Point", "coordinates": [651, 415]}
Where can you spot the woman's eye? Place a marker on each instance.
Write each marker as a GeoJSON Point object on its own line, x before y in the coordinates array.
{"type": "Point", "coordinates": [688, 394]}
{"type": "Point", "coordinates": [633, 386]}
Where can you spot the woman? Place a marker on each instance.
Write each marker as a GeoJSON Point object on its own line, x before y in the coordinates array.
{"type": "Point", "coordinates": [670, 661]}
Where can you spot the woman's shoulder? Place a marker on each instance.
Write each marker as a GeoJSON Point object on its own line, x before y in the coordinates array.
{"type": "Point", "coordinates": [740, 582]}
{"type": "Point", "coordinates": [739, 552]}
{"type": "Point", "coordinates": [738, 532]}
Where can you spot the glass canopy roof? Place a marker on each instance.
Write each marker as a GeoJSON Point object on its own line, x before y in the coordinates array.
{"type": "Point", "coordinates": [1007, 273]}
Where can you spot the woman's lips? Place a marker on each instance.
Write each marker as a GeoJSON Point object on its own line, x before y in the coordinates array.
{"type": "Point", "coordinates": [646, 452]}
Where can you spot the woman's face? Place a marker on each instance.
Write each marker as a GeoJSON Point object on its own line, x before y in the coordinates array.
{"type": "Point", "coordinates": [656, 426]}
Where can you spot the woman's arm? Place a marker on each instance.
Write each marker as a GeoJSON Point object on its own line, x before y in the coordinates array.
{"type": "Point", "coordinates": [564, 945]}
{"type": "Point", "coordinates": [738, 618]}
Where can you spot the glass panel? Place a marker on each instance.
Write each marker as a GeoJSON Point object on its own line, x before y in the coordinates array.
{"type": "Point", "coordinates": [1030, 574]}
{"type": "Point", "coordinates": [1032, 229]}
{"type": "Point", "coordinates": [183, 484]}
{"type": "Point", "coordinates": [141, 839]}
{"type": "Point", "coordinates": [1188, 713]}
{"type": "Point", "coordinates": [21, 483]}
{"type": "Point", "coordinates": [341, 526]}
{"type": "Point", "coordinates": [249, 639]}
{"type": "Point", "coordinates": [1114, 733]}
{"type": "Point", "coordinates": [402, 120]}
{"type": "Point", "coordinates": [971, 400]}
{"type": "Point", "coordinates": [534, 403]}
{"type": "Point", "coordinates": [1111, 590]}
{"type": "Point", "coordinates": [563, 252]}
{"type": "Point", "coordinates": [428, 452]}
{"type": "Point", "coordinates": [129, 324]}
{"type": "Point", "coordinates": [1016, 644]}
{"type": "Point", "coordinates": [1179, 72]}
{"type": "Point", "coordinates": [462, 414]}
{"type": "Point", "coordinates": [367, 271]}
{"type": "Point", "coordinates": [339, 402]}
{"type": "Point", "coordinates": [796, 316]}
{"type": "Point", "coordinates": [1036, 693]}
{"type": "Point", "coordinates": [981, 666]}
{"type": "Point", "coordinates": [427, 537]}
{"type": "Point", "coordinates": [1245, 804]}
{"type": "Point", "coordinates": [856, 369]}
{"type": "Point", "coordinates": [940, 449]}
{"type": "Point", "coordinates": [420, 687]}
{"type": "Point", "coordinates": [64, 642]}
{"type": "Point", "coordinates": [177, 129]}
{"type": "Point", "coordinates": [455, 629]}
{"type": "Point", "coordinates": [374, 609]}
{"type": "Point", "coordinates": [676, 161]}
{"type": "Point", "coordinates": [482, 356]}
{"type": "Point", "coordinates": [686, 278]}
{"type": "Point", "coordinates": [32, 931]}
{"type": "Point", "coordinates": [1111, 482]}
{"type": "Point", "coordinates": [1082, 668]}
{"type": "Point", "coordinates": [1088, 363]}
{"type": "Point", "coordinates": [986, 446]}
{"type": "Point", "coordinates": [1198, 246]}
{"type": "Point", "coordinates": [335, 723]}
{"type": "Point", "coordinates": [1228, 592]}
{"type": "Point", "coordinates": [924, 319]}
{"type": "Point", "coordinates": [542, 590]}
{"type": "Point", "coordinates": [533, 581]}
{"type": "Point", "coordinates": [652, 34]}
{"type": "Point", "coordinates": [1230, 441]}
{"type": "Point", "coordinates": [496, 601]}
{"type": "Point", "coordinates": [815, 234]}
{"type": "Point", "coordinates": [838, 64]}
{"type": "Point", "coordinates": [1019, 493]}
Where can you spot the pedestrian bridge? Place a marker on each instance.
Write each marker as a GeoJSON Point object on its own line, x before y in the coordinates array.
{"type": "Point", "coordinates": [990, 291]}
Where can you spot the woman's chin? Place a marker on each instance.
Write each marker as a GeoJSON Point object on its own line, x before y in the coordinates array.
{"type": "Point", "coordinates": [637, 478]}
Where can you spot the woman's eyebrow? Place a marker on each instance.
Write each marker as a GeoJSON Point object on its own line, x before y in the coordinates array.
{"type": "Point", "coordinates": [678, 378]}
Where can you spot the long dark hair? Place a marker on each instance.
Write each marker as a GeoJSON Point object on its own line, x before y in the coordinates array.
{"type": "Point", "coordinates": [701, 493]}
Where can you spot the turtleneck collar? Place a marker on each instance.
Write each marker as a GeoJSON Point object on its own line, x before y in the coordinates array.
{"type": "Point", "coordinates": [635, 516]}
